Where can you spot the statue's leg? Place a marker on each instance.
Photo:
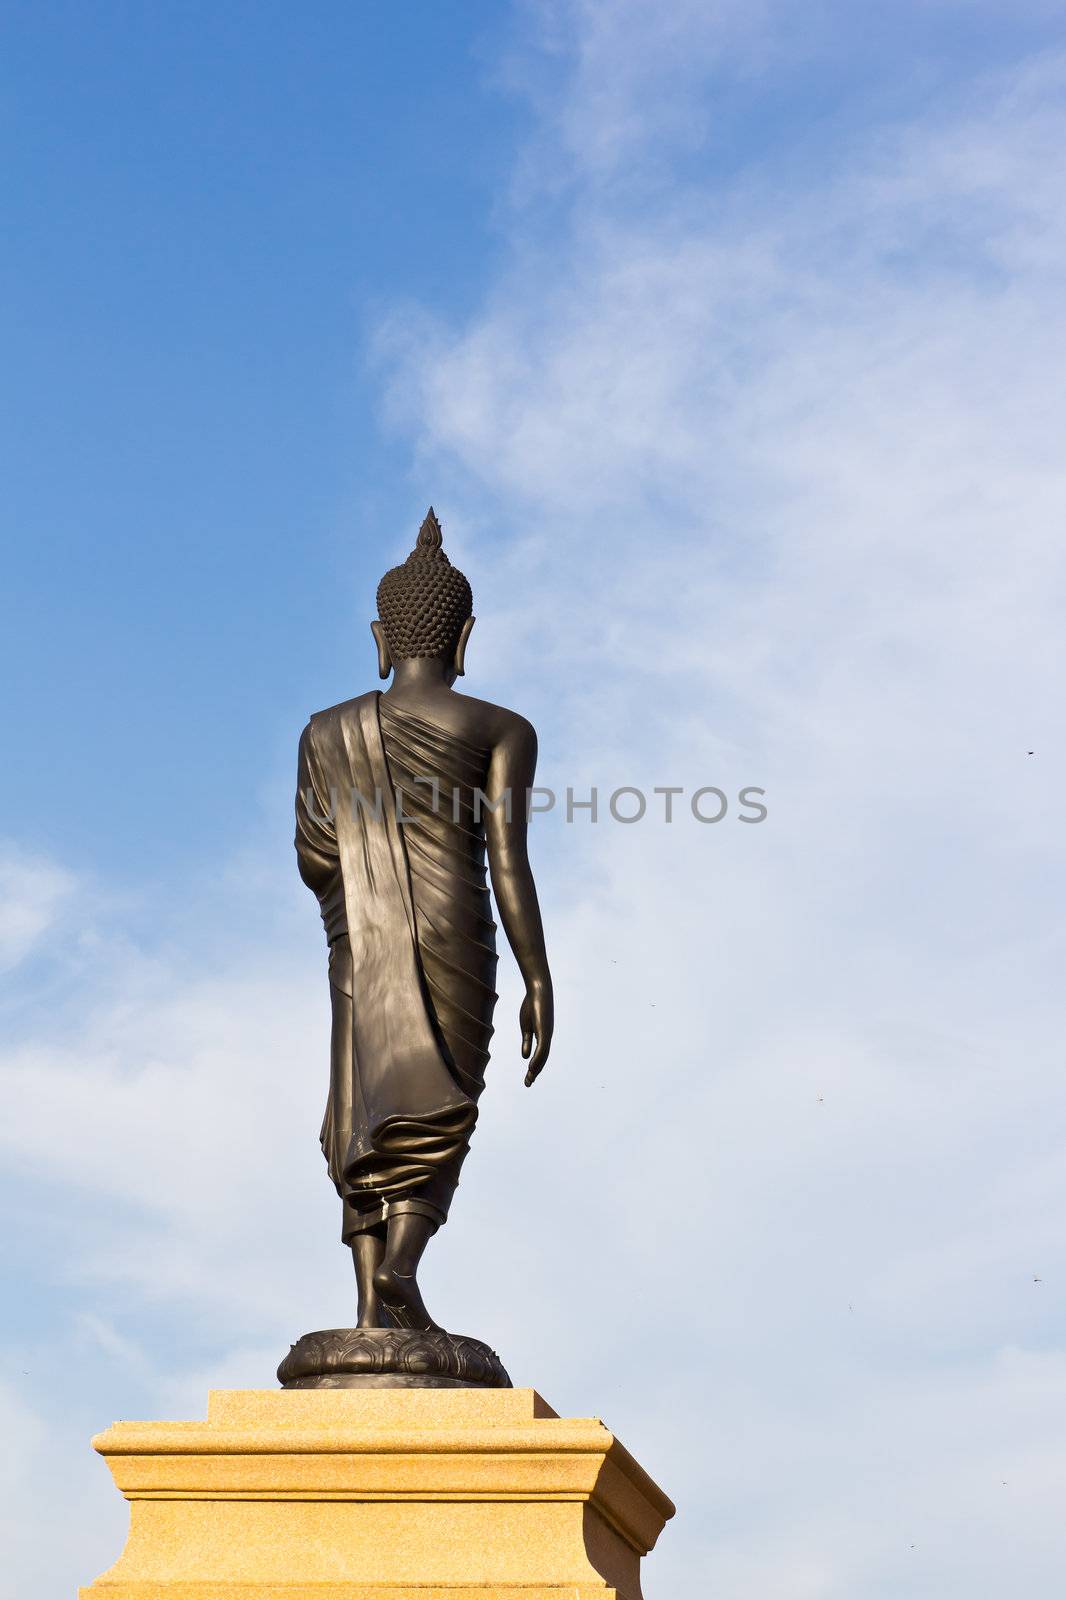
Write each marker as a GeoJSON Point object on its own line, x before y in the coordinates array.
{"type": "Point", "coordinates": [368, 1250]}
{"type": "Point", "coordinates": [395, 1280]}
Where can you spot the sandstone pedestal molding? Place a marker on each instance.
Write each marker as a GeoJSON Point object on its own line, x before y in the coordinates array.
{"type": "Point", "coordinates": [379, 1494]}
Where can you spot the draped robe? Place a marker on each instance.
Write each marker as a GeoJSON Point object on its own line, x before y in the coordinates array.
{"type": "Point", "coordinates": [386, 836]}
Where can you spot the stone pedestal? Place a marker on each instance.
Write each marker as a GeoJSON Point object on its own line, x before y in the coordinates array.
{"type": "Point", "coordinates": [379, 1494]}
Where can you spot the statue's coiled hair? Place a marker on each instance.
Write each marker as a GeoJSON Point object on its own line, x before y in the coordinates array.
{"type": "Point", "coordinates": [423, 604]}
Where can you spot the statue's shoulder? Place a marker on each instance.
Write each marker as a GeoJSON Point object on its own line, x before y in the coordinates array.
{"type": "Point", "coordinates": [346, 712]}
{"type": "Point", "coordinates": [494, 724]}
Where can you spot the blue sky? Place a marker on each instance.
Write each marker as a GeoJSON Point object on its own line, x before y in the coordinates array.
{"type": "Point", "coordinates": [208, 207]}
{"type": "Point", "coordinates": [727, 342]}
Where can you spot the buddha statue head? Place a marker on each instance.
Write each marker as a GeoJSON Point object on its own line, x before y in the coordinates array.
{"type": "Point", "coordinates": [425, 607]}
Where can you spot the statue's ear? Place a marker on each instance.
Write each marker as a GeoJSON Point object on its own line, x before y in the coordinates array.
{"type": "Point", "coordinates": [384, 658]}
{"type": "Point", "coordinates": [460, 649]}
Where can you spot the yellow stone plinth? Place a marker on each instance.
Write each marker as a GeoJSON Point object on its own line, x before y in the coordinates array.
{"type": "Point", "coordinates": [378, 1494]}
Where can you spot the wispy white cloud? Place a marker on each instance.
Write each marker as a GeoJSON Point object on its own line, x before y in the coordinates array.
{"type": "Point", "coordinates": [57, 1518]}
{"type": "Point", "coordinates": [627, 82]}
{"type": "Point", "coordinates": [32, 894]}
{"type": "Point", "coordinates": [783, 461]}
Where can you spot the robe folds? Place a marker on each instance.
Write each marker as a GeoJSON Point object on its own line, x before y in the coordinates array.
{"type": "Point", "coordinates": [387, 837]}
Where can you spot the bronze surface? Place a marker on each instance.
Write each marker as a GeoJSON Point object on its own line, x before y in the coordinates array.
{"type": "Point", "coordinates": [403, 799]}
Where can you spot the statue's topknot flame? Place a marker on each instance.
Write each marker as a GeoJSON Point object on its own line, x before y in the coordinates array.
{"type": "Point", "coordinates": [423, 604]}
{"type": "Point", "coordinates": [430, 539]}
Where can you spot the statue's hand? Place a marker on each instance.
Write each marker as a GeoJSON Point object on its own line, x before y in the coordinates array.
{"type": "Point", "coordinates": [536, 1019]}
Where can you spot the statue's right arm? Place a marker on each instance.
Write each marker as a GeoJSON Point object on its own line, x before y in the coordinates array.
{"type": "Point", "coordinates": [316, 847]}
{"type": "Point", "coordinates": [511, 773]}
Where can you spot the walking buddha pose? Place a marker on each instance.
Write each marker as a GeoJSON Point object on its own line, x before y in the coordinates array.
{"type": "Point", "coordinates": [400, 796]}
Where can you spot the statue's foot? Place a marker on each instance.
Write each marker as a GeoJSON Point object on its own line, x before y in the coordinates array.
{"type": "Point", "coordinates": [402, 1299]}
{"type": "Point", "coordinates": [375, 1315]}
{"type": "Point", "coordinates": [368, 1252]}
